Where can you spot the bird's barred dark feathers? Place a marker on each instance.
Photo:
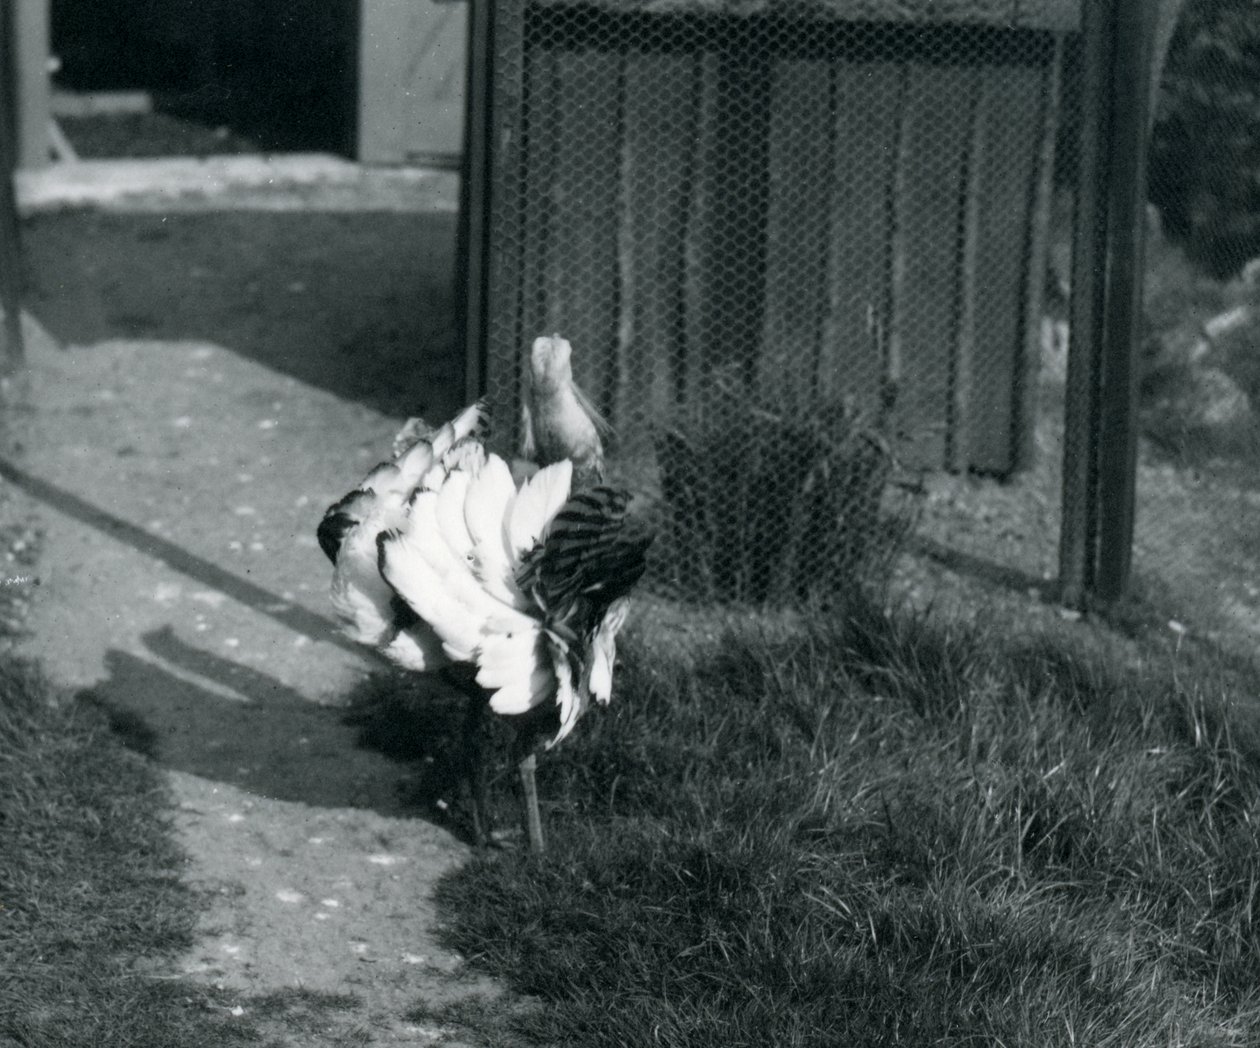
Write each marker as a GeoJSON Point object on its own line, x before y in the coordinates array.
{"type": "Point", "coordinates": [591, 555]}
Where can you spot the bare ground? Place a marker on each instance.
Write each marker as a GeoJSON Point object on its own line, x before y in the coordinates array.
{"type": "Point", "coordinates": [201, 386]}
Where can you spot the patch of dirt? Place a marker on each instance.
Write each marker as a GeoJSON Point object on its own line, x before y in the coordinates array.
{"type": "Point", "coordinates": [214, 381]}
{"type": "Point", "coordinates": [329, 901]}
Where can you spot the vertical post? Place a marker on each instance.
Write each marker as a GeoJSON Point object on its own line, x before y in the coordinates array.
{"type": "Point", "coordinates": [29, 25]}
{"type": "Point", "coordinates": [473, 250]}
{"type": "Point", "coordinates": [1078, 530]}
{"type": "Point", "coordinates": [1100, 439]}
{"type": "Point", "coordinates": [10, 255]}
{"type": "Point", "coordinates": [1133, 32]}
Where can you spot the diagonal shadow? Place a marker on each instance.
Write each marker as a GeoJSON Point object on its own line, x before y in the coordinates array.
{"type": "Point", "coordinates": [299, 619]}
{"type": "Point", "coordinates": [981, 568]}
{"type": "Point", "coordinates": [195, 711]}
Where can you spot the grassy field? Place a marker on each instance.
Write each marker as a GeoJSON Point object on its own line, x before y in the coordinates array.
{"type": "Point", "coordinates": [885, 832]}
{"type": "Point", "coordinates": [876, 831]}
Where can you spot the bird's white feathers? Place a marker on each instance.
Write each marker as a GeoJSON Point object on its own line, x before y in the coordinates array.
{"type": "Point", "coordinates": [539, 499]}
{"type": "Point", "coordinates": [454, 561]}
{"type": "Point", "coordinates": [428, 552]}
{"type": "Point", "coordinates": [604, 651]}
{"type": "Point", "coordinates": [366, 603]}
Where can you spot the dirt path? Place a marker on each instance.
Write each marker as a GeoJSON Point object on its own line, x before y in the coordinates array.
{"type": "Point", "coordinates": [177, 479]}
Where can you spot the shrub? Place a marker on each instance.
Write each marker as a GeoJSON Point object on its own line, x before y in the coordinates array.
{"type": "Point", "coordinates": [1205, 153]}
{"type": "Point", "coordinates": [770, 508]}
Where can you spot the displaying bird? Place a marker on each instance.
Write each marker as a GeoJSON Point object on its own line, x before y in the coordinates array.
{"type": "Point", "coordinates": [558, 420]}
{"type": "Point", "coordinates": [515, 595]}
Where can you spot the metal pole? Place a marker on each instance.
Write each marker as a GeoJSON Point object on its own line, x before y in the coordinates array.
{"type": "Point", "coordinates": [1133, 28]}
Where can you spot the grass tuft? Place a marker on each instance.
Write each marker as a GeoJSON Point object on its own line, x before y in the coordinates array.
{"type": "Point", "coordinates": [885, 832]}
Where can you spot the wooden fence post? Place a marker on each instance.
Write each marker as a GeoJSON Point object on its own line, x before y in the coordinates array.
{"type": "Point", "coordinates": [1133, 31]}
{"type": "Point", "coordinates": [1100, 438]}
{"type": "Point", "coordinates": [28, 26]}
{"type": "Point", "coordinates": [1078, 530]}
{"type": "Point", "coordinates": [10, 255]}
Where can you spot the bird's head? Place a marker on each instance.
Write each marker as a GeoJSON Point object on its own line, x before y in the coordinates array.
{"type": "Point", "coordinates": [550, 362]}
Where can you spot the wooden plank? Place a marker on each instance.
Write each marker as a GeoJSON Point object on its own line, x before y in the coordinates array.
{"type": "Point", "coordinates": [864, 150]}
{"type": "Point", "coordinates": [965, 363]}
{"type": "Point", "coordinates": [698, 230]}
{"type": "Point", "coordinates": [797, 234]}
{"type": "Point", "coordinates": [30, 26]}
{"type": "Point", "coordinates": [1013, 133]}
{"type": "Point", "coordinates": [1061, 15]}
{"type": "Point", "coordinates": [411, 81]}
{"type": "Point", "coordinates": [657, 145]}
{"type": "Point", "coordinates": [1134, 29]}
{"type": "Point", "coordinates": [927, 252]}
{"type": "Point", "coordinates": [729, 232]}
{"type": "Point", "coordinates": [501, 176]}
{"type": "Point", "coordinates": [581, 269]}
{"type": "Point", "coordinates": [1038, 270]}
{"type": "Point", "coordinates": [13, 355]}
{"type": "Point", "coordinates": [1078, 532]}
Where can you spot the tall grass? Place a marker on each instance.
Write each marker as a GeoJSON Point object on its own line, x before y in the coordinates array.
{"type": "Point", "coordinates": [881, 833]}
{"type": "Point", "coordinates": [89, 887]}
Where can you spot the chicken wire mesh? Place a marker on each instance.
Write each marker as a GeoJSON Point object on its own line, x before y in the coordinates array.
{"type": "Point", "coordinates": [801, 252]}
{"type": "Point", "coordinates": [1198, 473]}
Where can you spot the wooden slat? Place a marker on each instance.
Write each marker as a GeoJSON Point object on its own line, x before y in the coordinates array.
{"type": "Point", "coordinates": [656, 151]}
{"type": "Point", "coordinates": [580, 275]}
{"type": "Point", "coordinates": [864, 147]}
{"type": "Point", "coordinates": [730, 259]}
{"type": "Point", "coordinates": [927, 250]}
{"type": "Point", "coordinates": [30, 25]}
{"type": "Point", "coordinates": [411, 81]}
{"type": "Point", "coordinates": [1013, 134]}
{"type": "Point", "coordinates": [698, 228]}
{"type": "Point", "coordinates": [1061, 15]}
{"type": "Point", "coordinates": [518, 93]}
{"type": "Point", "coordinates": [1036, 279]}
{"type": "Point", "coordinates": [965, 363]}
{"type": "Point", "coordinates": [800, 172]}
{"type": "Point", "coordinates": [12, 353]}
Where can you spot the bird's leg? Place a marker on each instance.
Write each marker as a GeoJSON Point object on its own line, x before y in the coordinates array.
{"type": "Point", "coordinates": [526, 762]}
{"type": "Point", "coordinates": [475, 767]}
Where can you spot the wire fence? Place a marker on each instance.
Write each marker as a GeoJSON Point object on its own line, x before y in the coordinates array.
{"type": "Point", "coordinates": [1198, 480]}
{"type": "Point", "coordinates": [832, 272]}
{"type": "Point", "coordinates": [801, 252]}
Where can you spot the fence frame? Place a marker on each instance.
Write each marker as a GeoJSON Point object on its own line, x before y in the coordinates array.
{"type": "Point", "coordinates": [1100, 442]}
{"type": "Point", "coordinates": [1101, 414]}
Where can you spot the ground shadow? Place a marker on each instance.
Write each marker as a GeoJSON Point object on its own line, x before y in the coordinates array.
{"type": "Point", "coordinates": [360, 304]}
{"type": "Point", "coordinates": [391, 749]}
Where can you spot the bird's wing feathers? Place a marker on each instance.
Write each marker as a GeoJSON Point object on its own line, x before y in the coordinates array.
{"type": "Point", "coordinates": [539, 499]}
{"type": "Point", "coordinates": [490, 494]}
{"type": "Point", "coordinates": [604, 652]}
{"type": "Point", "coordinates": [438, 556]}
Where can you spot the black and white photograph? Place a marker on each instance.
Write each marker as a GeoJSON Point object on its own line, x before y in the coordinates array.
{"type": "Point", "coordinates": [629, 523]}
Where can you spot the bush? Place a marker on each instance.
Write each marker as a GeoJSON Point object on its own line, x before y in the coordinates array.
{"type": "Point", "coordinates": [1205, 153]}
{"type": "Point", "coordinates": [775, 509]}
